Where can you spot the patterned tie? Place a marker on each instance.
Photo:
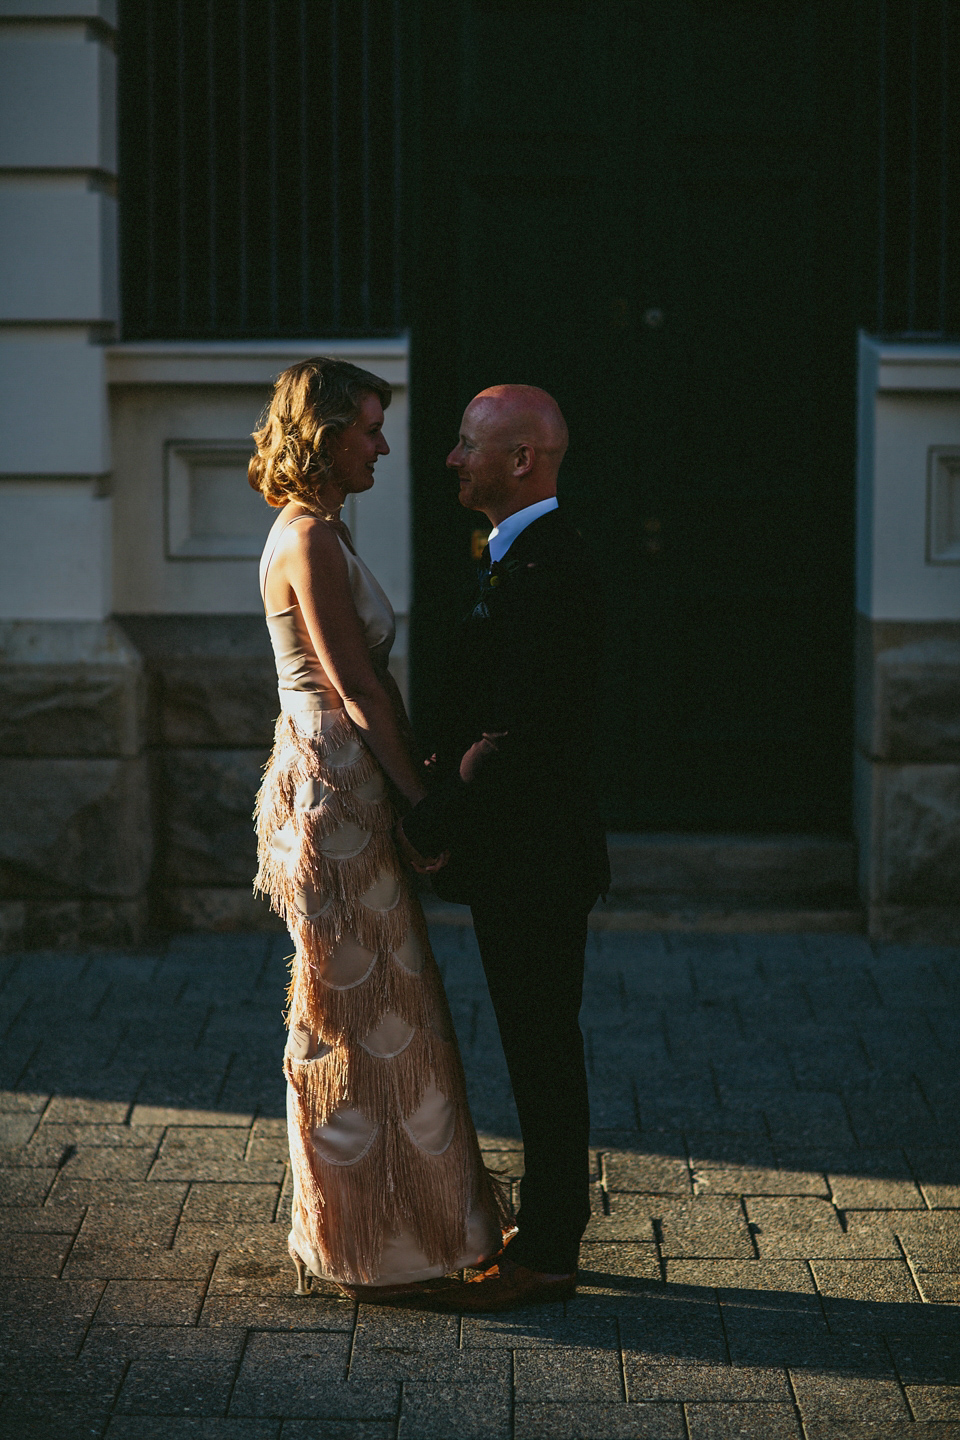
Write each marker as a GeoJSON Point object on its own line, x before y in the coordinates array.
{"type": "Point", "coordinates": [486, 578]}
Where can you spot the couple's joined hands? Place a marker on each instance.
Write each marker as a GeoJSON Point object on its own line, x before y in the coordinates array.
{"type": "Point", "coordinates": [471, 764]}
{"type": "Point", "coordinates": [422, 865]}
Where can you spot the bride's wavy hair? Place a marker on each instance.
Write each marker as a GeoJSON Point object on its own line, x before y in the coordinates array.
{"type": "Point", "coordinates": [312, 403]}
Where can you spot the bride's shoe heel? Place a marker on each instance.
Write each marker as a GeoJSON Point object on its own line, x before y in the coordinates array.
{"type": "Point", "coordinates": [304, 1277]}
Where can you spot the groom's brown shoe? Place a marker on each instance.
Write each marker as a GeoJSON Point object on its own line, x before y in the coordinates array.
{"type": "Point", "coordinates": [505, 1286]}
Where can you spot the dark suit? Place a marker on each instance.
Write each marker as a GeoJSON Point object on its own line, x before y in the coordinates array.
{"type": "Point", "coordinates": [529, 854]}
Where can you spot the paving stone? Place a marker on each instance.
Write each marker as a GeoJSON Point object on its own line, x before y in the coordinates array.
{"type": "Point", "coordinates": [571, 1373]}
{"type": "Point", "coordinates": [743, 1275]}
{"type": "Point", "coordinates": [22, 1101]}
{"type": "Point", "coordinates": [254, 1268]}
{"type": "Point", "coordinates": [264, 1309]}
{"type": "Point", "coordinates": [150, 1302]}
{"type": "Point", "coordinates": [709, 1226]}
{"type": "Point", "coordinates": [934, 1402]}
{"type": "Point", "coordinates": [743, 1180]}
{"type": "Point", "coordinates": [931, 1360]}
{"type": "Point", "coordinates": [215, 1203]}
{"type": "Point", "coordinates": [40, 1219]}
{"type": "Point", "coordinates": [668, 1345]}
{"type": "Point", "coordinates": [337, 1430]}
{"type": "Point", "coordinates": [53, 1416]}
{"type": "Point", "coordinates": [931, 1240]}
{"type": "Point", "coordinates": [268, 1143]}
{"type": "Point", "coordinates": [302, 1375]}
{"type": "Point", "coordinates": [383, 1327]}
{"type": "Point", "coordinates": [863, 1280]}
{"type": "Point", "coordinates": [615, 1268]}
{"type": "Point", "coordinates": [143, 1427]}
{"type": "Point", "coordinates": [538, 1327]}
{"type": "Point", "coordinates": [51, 1140]}
{"type": "Point", "coordinates": [28, 1255]}
{"type": "Point", "coordinates": [76, 1110]}
{"type": "Point", "coordinates": [211, 1153]}
{"type": "Point", "coordinates": [804, 1228]}
{"type": "Point", "coordinates": [111, 1259]}
{"type": "Point", "coordinates": [941, 1197]}
{"type": "Point", "coordinates": [860, 1192]}
{"type": "Point", "coordinates": [839, 1399]}
{"type": "Point", "coordinates": [939, 1289]}
{"type": "Point", "coordinates": [25, 1186]}
{"type": "Point", "coordinates": [437, 1412]}
{"type": "Point", "coordinates": [16, 1128]}
{"type": "Point", "coordinates": [163, 1115]}
{"type": "Point", "coordinates": [742, 1422]}
{"type": "Point", "coordinates": [598, 1422]}
{"type": "Point", "coordinates": [100, 1162]}
{"type": "Point", "coordinates": [189, 1388]}
{"type": "Point", "coordinates": [698, 1381]}
{"type": "Point", "coordinates": [167, 1344]}
{"type": "Point", "coordinates": [801, 1344]}
{"type": "Point", "coordinates": [648, 1174]}
{"type": "Point", "coordinates": [747, 1147]}
{"type": "Point", "coordinates": [629, 1219]}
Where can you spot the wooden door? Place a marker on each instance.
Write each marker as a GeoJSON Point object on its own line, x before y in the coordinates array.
{"type": "Point", "coordinates": [640, 207]}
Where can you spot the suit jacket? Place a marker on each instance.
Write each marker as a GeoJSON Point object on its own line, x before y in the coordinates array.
{"type": "Point", "coordinates": [526, 664]}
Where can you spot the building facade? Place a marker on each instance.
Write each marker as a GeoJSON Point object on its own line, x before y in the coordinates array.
{"type": "Point", "coordinates": [724, 234]}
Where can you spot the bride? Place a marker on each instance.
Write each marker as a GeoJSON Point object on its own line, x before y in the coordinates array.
{"type": "Point", "coordinates": [389, 1187]}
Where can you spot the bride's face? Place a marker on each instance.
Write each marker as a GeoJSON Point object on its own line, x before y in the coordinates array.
{"type": "Point", "coordinates": [356, 450]}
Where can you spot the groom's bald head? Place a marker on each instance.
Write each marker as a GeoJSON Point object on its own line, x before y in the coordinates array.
{"type": "Point", "coordinates": [522, 414]}
{"type": "Point", "coordinates": [512, 440]}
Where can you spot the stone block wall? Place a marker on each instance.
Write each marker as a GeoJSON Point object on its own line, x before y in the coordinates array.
{"type": "Point", "coordinates": [76, 826]}
{"type": "Point", "coordinates": [908, 778]}
{"type": "Point", "coordinates": [212, 705]}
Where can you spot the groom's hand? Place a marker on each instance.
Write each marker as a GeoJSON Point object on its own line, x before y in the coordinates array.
{"type": "Point", "coordinates": [480, 754]}
{"type": "Point", "coordinates": [420, 863]}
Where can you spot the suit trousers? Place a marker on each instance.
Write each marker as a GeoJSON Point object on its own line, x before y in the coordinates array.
{"type": "Point", "coordinates": [532, 947]}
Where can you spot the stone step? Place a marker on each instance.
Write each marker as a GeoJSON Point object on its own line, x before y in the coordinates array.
{"type": "Point", "coordinates": [753, 870]}
{"type": "Point", "coordinates": [662, 914]}
{"type": "Point", "coordinates": [721, 884]}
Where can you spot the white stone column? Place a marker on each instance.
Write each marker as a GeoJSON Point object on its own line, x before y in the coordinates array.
{"type": "Point", "coordinates": [58, 302]}
{"type": "Point", "coordinates": [907, 764]}
{"type": "Point", "coordinates": [75, 848]}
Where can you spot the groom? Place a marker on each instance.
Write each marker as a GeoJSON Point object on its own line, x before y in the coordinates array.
{"type": "Point", "coordinates": [528, 850]}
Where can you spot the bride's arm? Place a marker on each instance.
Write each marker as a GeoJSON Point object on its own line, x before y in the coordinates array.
{"type": "Point", "coordinates": [316, 570]}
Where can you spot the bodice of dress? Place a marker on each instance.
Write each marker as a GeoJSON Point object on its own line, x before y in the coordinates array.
{"type": "Point", "coordinates": [298, 666]}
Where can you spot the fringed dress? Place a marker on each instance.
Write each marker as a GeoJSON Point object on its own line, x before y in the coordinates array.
{"type": "Point", "coordinates": [389, 1186]}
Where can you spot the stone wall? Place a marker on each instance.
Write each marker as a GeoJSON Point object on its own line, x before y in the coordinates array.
{"type": "Point", "coordinates": [908, 783]}
{"type": "Point", "coordinates": [130, 757]}
{"type": "Point", "coordinates": [76, 823]}
{"type": "Point", "coordinates": [212, 704]}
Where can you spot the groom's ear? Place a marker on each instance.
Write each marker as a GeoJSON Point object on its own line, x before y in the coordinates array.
{"type": "Point", "coordinates": [523, 459]}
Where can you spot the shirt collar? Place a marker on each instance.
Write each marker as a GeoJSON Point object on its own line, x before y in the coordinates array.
{"type": "Point", "coordinates": [502, 536]}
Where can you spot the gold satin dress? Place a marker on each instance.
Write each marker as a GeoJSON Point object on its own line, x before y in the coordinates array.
{"type": "Point", "coordinates": [389, 1185]}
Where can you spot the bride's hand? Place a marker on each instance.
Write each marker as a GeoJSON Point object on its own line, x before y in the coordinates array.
{"type": "Point", "coordinates": [420, 863]}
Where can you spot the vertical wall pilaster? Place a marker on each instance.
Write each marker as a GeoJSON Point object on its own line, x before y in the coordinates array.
{"type": "Point", "coordinates": [75, 850]}
{"type": "Point", "coordinates": [907, 766]}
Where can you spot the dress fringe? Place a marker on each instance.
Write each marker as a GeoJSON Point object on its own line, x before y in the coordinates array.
{"type": "Point", "coordinates": [395, 1185]}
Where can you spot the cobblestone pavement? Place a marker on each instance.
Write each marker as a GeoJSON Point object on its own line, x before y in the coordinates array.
{"type": "Point", "coordinates": [775, 1248]}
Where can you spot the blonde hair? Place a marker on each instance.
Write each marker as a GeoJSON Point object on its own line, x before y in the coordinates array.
{"type": "Point", "coordinates": [312, 403]}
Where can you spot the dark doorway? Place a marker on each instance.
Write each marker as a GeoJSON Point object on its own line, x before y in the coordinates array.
{"type": "Point", "coordinates": [647, 209]}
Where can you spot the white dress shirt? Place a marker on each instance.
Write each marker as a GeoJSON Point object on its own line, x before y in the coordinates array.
{"type": "Point", "coordinates": [502, 536]}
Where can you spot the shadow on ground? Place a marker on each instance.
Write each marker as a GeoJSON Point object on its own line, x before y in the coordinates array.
{"type": "Point", "coordinates": [774, 1249]}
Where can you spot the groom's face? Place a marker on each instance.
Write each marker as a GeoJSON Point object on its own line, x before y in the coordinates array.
{"type": "Point", "coordinates": [483, 460]}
